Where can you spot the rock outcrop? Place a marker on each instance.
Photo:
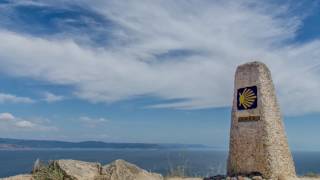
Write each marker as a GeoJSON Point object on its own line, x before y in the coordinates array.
{"type": "Point", "coordinates": [117, 170]}
{"type": "Point", "coordinates": [77, 170]}
{"type": "Point", "coordinates": [67, 169]}
{"type": "Point", "coordinates": [122, 170]}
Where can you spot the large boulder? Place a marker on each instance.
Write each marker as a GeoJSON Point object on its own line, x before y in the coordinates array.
{"type": "Point", "coordinates": [19, 177]}
{"type": "Point", "coordinates": [78, 170]}
{"type": "Point", "coordinates": [122, 170]}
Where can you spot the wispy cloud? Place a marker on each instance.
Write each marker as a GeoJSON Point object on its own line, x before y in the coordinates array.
{"type": "Point", "coordinates": [25, 124]}
{"type": "Point", "coordinates": [10, 98]}
{"type": "Point", "coordinates": [50, 97]}
{"type": "Point", "coordinates": [6, 117]}
{"type": "Point", "coordinates": [9, 122]}
{"type": "Point", "coordinates": [171, 50]}
{"type": "Point", "coordinates": [93, 122]}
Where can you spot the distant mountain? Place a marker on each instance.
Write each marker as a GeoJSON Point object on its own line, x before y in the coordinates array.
{"type": "Point", "coordinates": [6, 143]}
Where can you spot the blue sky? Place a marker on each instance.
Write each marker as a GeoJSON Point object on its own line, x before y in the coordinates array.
{"type": "Point", "coordinates": [153, 71]}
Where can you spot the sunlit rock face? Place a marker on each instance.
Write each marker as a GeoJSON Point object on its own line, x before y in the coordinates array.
{"type": "Point", "coordinates": [122, 170]}
{"type": "Point", "coordinates": [258, 142]}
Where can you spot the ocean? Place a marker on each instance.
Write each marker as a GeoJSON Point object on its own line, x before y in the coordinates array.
{"type": "Point", "coordinates": [195, 162]}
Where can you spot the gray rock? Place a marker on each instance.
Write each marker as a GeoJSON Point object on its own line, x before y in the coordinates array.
{"type": "Point", "coordinates": [122, 170]}
{"type": "Point", "coordinates": [78, 170]}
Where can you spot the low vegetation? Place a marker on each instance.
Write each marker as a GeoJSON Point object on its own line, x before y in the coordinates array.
{"type": "Point", "coordinates": [312, 175]}
{"type": "Point", "coordinates": [47, 172]}
{"type": "Point", "coordinates": [178, 171]}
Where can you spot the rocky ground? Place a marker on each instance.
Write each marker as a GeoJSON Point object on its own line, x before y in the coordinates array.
{"type": "Point", "coordinates": [80, 170]}
{"type": "Point", "coordinates": [117, 170]}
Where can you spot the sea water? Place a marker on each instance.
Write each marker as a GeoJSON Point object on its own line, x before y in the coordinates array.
{"type": "Point", "coordinates": [193, 162]}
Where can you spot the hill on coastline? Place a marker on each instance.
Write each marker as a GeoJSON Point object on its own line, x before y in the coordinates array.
{"type": "Point", "coordinates": [7, 143]}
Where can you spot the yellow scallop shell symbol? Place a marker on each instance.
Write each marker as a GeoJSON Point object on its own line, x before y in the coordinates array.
{"type": "Point", "coordinates": [247, 98]}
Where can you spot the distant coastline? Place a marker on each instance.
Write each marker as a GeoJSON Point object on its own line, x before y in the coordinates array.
{"type": "Point", "coordinates": [24, 144]}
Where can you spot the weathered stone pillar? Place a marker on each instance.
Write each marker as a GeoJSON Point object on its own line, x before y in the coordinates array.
{"type": "Point", "coordinates": [258, 142]}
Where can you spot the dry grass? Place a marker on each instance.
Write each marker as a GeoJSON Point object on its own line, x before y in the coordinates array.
{"type": "Point", "coordinates": [47, 172]}
{"type": "Point", "coordinates": [178, 171]}
{"type": "Point", "coordinates": [312, 175]}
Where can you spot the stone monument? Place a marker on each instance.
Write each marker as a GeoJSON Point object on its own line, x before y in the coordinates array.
{"type": "Point", "coordinates": [258, 143]}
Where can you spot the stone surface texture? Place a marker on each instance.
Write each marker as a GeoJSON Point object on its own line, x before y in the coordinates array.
{"type": "Point", "coordinates": [78, 170]}
{"type": "Point", "coordinates": [258, 146]}
{"type": "Point", "coordinates": [19, 177]}
{"type": "Point", "coordinates": [122, 170]}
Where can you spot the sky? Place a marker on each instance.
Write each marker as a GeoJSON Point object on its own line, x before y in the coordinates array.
{"type": "Point", "coordinates": [152, 71]}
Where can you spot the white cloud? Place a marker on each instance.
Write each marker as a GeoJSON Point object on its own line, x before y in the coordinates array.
{"type": "Point", "coordinates": [9, 122]}
{"type": "Point", "coordinates": [25, 124]}
{"type": "Point", "coordinates": [217, 36]}
{"type": "Point", "coordinates": [93, 122]}
{"type": "Point", "coordinates": [6, 117]}
{"type": "Point", "coordinates": [9, 98]}
{"type": "Point", "coordinates": [50, 97]}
